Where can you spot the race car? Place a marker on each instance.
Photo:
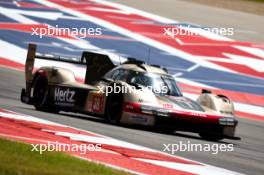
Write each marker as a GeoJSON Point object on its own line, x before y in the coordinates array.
{"type": "Point", "coordinates": [131, 92]}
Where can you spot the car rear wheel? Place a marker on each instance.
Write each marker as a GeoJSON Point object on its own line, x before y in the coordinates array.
{"type": "Point", "coordinates": [114, 108]}
{"type": "Point", "coordinates": [40, 95]}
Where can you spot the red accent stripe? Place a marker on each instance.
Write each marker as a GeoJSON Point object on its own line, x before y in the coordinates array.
{"type": "Point", "coordinates": [180, 114]}
{"type": "Point", "coordinates": [31, 5]}
{"type": "Point", "coordinates": [11, 64]}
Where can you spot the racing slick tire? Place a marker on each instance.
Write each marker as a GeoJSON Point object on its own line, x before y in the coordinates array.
{"type": "Point", "coordinates": [211, 137]}
{"type": "Point", "coordinates": [114, 105]}
{"type": "Point", "coordinates": [40, 95]}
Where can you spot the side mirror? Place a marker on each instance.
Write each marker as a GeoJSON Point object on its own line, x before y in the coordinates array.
{"type": "Point", "coordinates": [206, 91]}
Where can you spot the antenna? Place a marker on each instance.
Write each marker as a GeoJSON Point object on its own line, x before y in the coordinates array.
{"type": "Point", "coordinates": [148, 55]}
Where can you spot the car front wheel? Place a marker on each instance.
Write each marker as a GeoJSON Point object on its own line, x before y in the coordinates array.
{"type": "Point", "coordinates": [114, 108]}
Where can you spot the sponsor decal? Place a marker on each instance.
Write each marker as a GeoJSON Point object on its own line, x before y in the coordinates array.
{"type": "Point", "coordinates": [62, 96]}
{"type": "Point", "coordinates": [198, 114]}
{"type": "Point", "coordinates": [167, 106]}
{"type": "Point", "coordinates": [139, 119]}
{"type": "Point", "coordinates": [97, 103]}
{"type": "Point", "coordinates": [186, 103]}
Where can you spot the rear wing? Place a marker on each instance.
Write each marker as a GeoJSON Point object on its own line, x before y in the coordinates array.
{"type": "Point", "coordinates": [32, 55]}
{"type": "Point", "coordinates": [97, 65]}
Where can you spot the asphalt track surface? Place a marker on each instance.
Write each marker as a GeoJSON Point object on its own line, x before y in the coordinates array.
{"type": "Point", "coordinates": [247, 157]}
{"type": "Point", "coordinates": [247, 27]}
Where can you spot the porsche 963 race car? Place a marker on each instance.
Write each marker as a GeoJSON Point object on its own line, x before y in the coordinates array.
{"type": "Point", "coordinates": [131, 92]}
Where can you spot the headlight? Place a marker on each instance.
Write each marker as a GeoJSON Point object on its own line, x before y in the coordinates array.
{"type": "Point", "coordinates": [147, 109]}
{"type": "Point", "coordinates": [154, 111]}
{"type": "Point", "coordinates": [163, 112]}
{"type": "Point", "coordinates": [227, 121]}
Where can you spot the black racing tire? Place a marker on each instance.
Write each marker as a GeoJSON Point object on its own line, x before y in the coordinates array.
{"type": "Point", "coordinates": [40, 95]}
{"type": "Point", "coordinates": [114, 109]}
{"type": "Point", "coordinates": [211, 137]}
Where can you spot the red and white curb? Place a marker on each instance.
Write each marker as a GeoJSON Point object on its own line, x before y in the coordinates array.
{"type": "Point", "coordinates": [115, 153]}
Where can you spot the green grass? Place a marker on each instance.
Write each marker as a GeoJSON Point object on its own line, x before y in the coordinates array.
{"type": "Point", "coordinates": [18, 159]}
{"type": "Point", "coordinates": [260, 1]}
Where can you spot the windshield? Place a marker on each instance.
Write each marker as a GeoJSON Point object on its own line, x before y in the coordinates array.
{"type": "Point", "coordinates": [159, 84]}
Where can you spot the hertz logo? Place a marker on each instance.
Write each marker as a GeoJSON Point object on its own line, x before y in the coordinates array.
{"type": "Point", "coordinates": [64, 95]}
